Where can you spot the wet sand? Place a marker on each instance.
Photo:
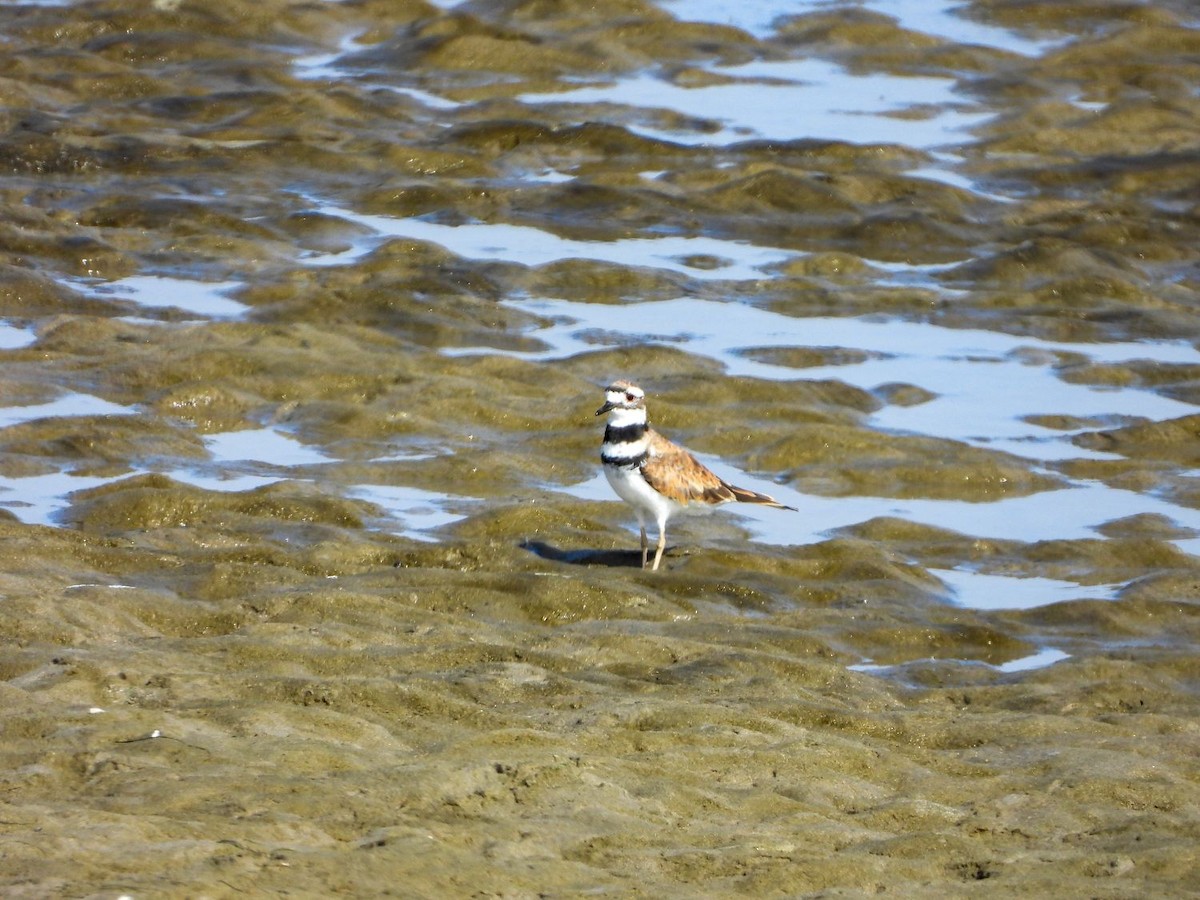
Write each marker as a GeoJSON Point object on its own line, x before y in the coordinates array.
{"type": "Point", "coordinates": [307, 589]}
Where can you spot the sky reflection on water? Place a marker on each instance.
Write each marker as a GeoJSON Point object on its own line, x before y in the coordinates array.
{"type": "Point", "coordinates": [985, 386]}
{"type": "Point", "coordinates": [800, 99]}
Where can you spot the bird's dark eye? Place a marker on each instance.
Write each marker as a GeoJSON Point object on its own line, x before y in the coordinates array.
{"type": "Point", "coordinates": [628, 397]}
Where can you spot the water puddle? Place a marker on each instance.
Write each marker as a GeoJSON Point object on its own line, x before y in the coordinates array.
{"type": "Point", "coordinates": [946, 21]}
{"type": "Point", "coordinates": [39, 499]}
{"type": "Point", "coordinates": [264, 446]}
{"type": "Point", "coordinates": [943, 20]}
{"type": "Point", "coordinates": [720, 260]}
{"type": "Point", "coordinates": [200, 298]}
{"type": "Point", "coordinates": [417, 511]}
{"type": "Point", "coordinates": [68, 405]}
{"type": "Point", "coordinates": [223, 480]}
{"type": "Point", "coordinates": [976, 590]}
{"type": "Point", "coordinates": [1040, 660]}
{"type": "Point", "coordinates": [758, 17]}
{"type": "Point", "coordinates": [945, 174]}
{"type": "Point", "coordinates": [325, 67]}
{"type": "Point", "coordinates": [534, 247]}
{"type": "Point", "coordinates": [13, 338]}
{"type": "Point", "coordinates": [789, 100]}
{"type": "Point", "coordinates": [1045, 657]}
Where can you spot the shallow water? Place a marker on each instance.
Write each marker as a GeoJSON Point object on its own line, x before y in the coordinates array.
{"type": "Point", "coordinates": [535, 247]}
{"type": "Point", "coordinates": [781, 100]}
{"type": "Point", "coordinates": [202, 299]}
{"type": "Point", "coordinates": [12, 337]}
{"type": "Point", "coordinates": [312, 584]}
{"type": "Point", "coordinates": [945, 21]}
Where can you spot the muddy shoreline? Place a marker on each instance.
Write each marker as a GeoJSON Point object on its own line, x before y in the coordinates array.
{"type": "Point", "coordinates": [390, 640]}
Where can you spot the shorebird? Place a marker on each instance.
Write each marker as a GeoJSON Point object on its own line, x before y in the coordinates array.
{"type": "Point", "coordinates": [654, 475]}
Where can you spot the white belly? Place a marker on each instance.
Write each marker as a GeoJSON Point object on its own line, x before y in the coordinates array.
{"type": "Point", "coordinates": [631, 487]}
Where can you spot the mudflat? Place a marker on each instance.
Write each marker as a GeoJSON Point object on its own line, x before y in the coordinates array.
{"type": "Point", "coordinates": [307, 587]}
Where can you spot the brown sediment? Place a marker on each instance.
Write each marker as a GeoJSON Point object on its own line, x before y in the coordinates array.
{"type": "Point", "coordinates": [285, 689]}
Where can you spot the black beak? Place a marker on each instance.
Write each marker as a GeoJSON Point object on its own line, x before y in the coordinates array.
{"type": "Point", "coordinates": [605, 408]}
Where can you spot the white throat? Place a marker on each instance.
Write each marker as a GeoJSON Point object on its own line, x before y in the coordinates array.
{"type": "Point", "coordinates": [620, 418]}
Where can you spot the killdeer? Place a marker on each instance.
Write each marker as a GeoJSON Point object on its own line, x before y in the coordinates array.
{"type": "Point", "coordinates": [655, 476]}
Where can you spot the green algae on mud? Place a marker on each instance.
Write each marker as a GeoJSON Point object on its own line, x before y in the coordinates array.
{"type": "Point", "coordinates": [220, 691]}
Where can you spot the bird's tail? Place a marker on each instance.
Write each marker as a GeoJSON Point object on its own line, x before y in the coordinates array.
{"type": "Point", "coordinates": [745, 496]}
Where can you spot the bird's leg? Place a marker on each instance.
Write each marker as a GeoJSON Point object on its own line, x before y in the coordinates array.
{"type": "Point", "coordinates": [662, 543]}
{"type": "Point", "coordinates": [645, 547]}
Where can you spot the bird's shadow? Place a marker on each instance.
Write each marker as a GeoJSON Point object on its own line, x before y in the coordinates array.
{"type": "Point", "coordinates": [613, 558]}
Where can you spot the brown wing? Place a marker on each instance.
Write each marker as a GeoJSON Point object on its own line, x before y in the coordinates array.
{"type": "Point", "coordinates": [675, 473]}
